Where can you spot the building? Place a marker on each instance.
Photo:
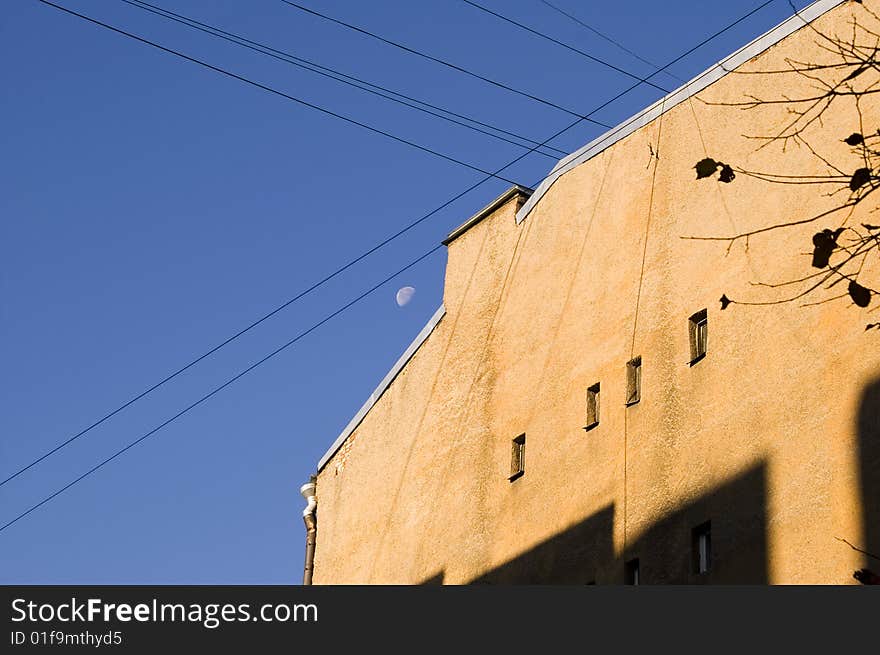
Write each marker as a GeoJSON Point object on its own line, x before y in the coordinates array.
{"type": "Point", "coordinates": [582, 410]}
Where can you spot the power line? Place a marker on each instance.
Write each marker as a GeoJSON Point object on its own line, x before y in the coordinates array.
{"type": "Point", "coordinates": [611, 40]}
{"type": "Point", "coordinates": [628, 122]}
{"type": "Point", "coordinates": [282, 94]}
{"type": "Point", "coordinates": [366, 254]}
{"type": "Point", "coordinates": [563, 44]}
{"type": "Point", "coordinates": [277, 309]}
{"type": "Point", "coordinates": [443, 62]}
{"type": "Point", "coordinates": [341, 269]}
{"type": "Point", "coordinates": [257, 322]}
{"type": "Point", "coordinates": [338, 76]}
{"type": "Point", "coordinates": [221, 387]}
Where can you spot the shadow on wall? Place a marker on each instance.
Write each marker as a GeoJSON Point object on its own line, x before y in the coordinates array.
{"type": "Point", "coordinates": [434, 579]}
{"type": "Point", "coordinates": [735, 551]}
{"type": "Point", "coordinates": [869, 469]}
{"type": "Point", "coordinates": [734, 516]}
{"type": "Point", "coordinates": [574, 556]}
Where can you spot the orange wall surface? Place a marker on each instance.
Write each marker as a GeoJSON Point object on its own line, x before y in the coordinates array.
{"type": "Point", "coordinates": [772, 437]}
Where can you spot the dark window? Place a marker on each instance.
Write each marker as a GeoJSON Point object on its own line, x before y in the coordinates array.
{"type": "Point", "coordinates": [702, 547]}
{"type": "Point", "coordinates": [632, 571]}
{"type": "Point", "coordinates": [634, 381]}
{"type": "Point", "coordinates": [518, 457]}
{"type": "Point", "coordinates": [592, 407]}
{"type": "Point", "coordinates": [698, 329]}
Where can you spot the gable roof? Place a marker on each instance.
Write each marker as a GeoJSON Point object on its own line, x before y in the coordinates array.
{"type": "Point", "coordinates": [682, 93]}
{"type": "Point", "coordinates": [590, 150]}
{"type": "Point", "coordinates": [383, 385]}
{"type": "Point", "coordinates": [515, 190]}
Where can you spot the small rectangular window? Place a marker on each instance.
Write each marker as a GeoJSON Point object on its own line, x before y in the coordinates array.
{"type": "Point", "coordinates": [698, 329]}
{"type": "Point", "coordinates": [632, 571]}
{"type": "Point", "coordinates": [634, 381]}
{"type": "Point", "coordinates": [518, 458]}
{"type": "Point", "coordinates": [592, 407]}
{"type": "Point", "coordinates": [702, 547]}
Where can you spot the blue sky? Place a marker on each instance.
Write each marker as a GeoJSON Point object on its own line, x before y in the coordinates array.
{"type": "Point", "coordinates": [152, 207]}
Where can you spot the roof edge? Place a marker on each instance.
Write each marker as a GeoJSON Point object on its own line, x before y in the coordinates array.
{"type": "Point", "coordinates": [516, 189]}
{"type": "Point", "coordinates": [383, 385]}
{"type": "Point", "coordinates": [682, 93]}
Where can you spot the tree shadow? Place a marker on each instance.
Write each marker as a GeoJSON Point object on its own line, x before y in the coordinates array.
{"type": "Point", "coordinates": [842, 75]}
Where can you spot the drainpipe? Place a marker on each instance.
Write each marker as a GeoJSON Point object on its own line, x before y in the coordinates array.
{"type": "Point", "coordinates": [311, 520]}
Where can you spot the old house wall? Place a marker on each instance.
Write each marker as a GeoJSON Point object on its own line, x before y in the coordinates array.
{"type": "Point", "coordinates": [769, 437]}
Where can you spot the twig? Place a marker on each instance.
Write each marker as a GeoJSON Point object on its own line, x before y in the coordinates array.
{"type": "Point", "coordinates": [863, 552]}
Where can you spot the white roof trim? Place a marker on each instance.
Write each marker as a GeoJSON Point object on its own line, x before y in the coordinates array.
{"type": "Point", "coordinates": [678, 96]}
{"type": "Point", "coordinates": [383, 385]}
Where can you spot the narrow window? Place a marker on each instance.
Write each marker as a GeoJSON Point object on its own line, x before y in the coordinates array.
{"type": "Point", "coordinates": [518, 458]}
{"type": "Point", "coordinates": [632, 571]}
{"type": "Point", "coordinates": [698, 329]}
{"type": "Point", "coordinates": [702, 546]}
{"type": "Point", "coordinates": [592, 407]}
{"type": "Point", "coordinates": [634, 381]}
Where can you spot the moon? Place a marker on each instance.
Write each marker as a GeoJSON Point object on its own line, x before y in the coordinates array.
{"type": "Point", "coordinates": [404, 295]}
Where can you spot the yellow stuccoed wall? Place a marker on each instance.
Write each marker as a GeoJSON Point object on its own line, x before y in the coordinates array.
{"type": "Point", "coordinates": [761, 437]}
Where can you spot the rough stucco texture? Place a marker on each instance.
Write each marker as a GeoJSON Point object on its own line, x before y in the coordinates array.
{"type": "Point", "coordinates": [761, 437]}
